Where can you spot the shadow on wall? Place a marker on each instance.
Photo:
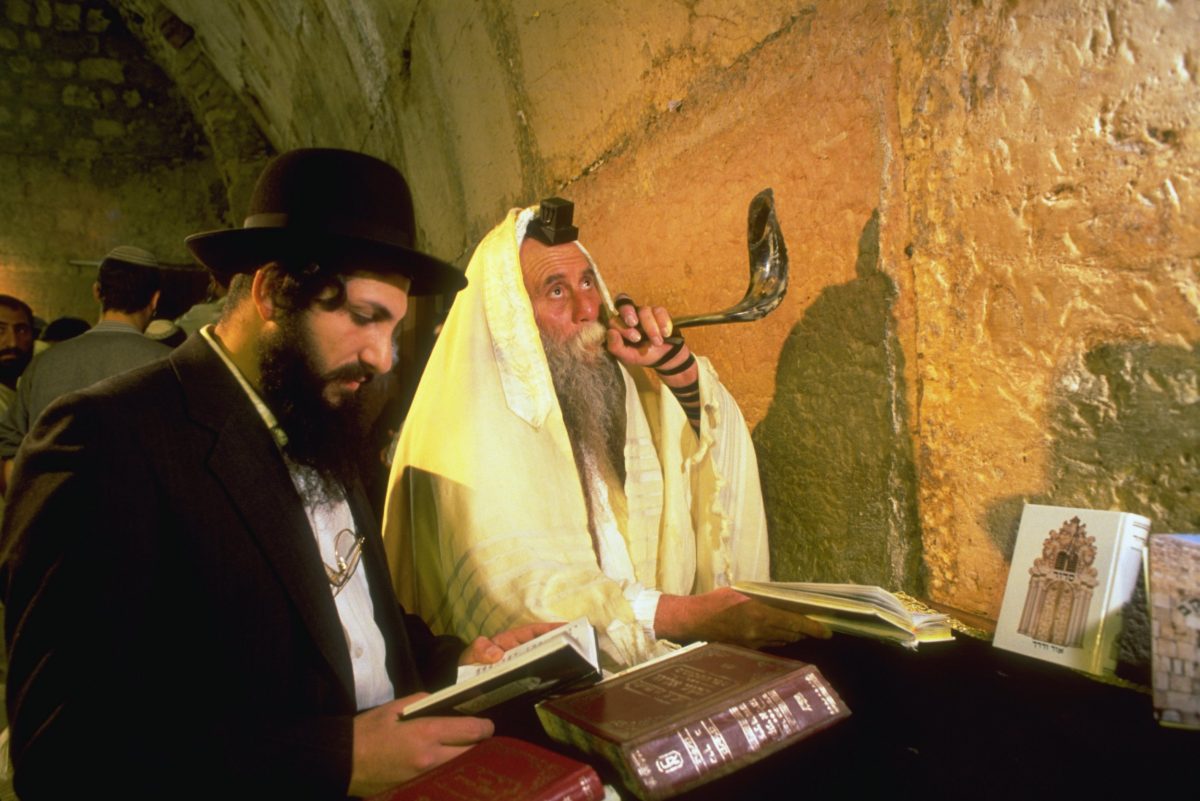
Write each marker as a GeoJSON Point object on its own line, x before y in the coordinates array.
{"type": "Point", "coordinates": [1126, 429]}
{"type": "Point", "coordinates": [834, 453]}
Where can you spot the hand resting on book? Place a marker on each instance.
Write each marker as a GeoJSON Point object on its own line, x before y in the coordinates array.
{"type": "Point", "coordinates": [486, 650]}
{"type": "Point", "coordinates": [724, 615]}
{"type": "Point", "coordinates": [388, 751]}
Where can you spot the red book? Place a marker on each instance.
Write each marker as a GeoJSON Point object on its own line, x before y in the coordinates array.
{"type": "Point", "coordinates": [704, 712]}
{"type": "Point", "coordinates": [503, 769]}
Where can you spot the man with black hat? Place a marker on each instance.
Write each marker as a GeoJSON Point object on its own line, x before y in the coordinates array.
{"type": "Point", "coordinates": [198, 604]}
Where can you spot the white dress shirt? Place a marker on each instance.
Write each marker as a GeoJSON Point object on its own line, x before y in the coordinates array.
{"type": "Point", "coordinates": [368, 654]}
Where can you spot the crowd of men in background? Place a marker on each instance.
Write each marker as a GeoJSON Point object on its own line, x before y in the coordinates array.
{"type": "Point", "coordinates": [127, 334]}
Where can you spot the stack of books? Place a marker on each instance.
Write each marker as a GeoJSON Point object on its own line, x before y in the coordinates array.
{"type": "Point", "coordinates": [665, 726]}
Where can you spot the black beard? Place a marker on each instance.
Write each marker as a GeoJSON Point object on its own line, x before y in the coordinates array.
{"type": "Point", "coordinates": [591, 394]}
{"type": "Point", "coordinates": [327, 438]}
{"type": "Point", "coordinates": [11, 368]}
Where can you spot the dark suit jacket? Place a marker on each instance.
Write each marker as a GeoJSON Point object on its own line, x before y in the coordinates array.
{"type": "Point", "coordinates": [171, 630]}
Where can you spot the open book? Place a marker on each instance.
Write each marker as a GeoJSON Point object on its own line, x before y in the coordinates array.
{"type": "Point", "coordinates": [853, 609]}
{"type": "Point", "coordinates": [564, 657]}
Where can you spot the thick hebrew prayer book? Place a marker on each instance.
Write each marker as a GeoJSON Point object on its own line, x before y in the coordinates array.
{"type": "Point", "coordinates": [704, 712]}
{"type": "Point", "coordinates": [503, 769]}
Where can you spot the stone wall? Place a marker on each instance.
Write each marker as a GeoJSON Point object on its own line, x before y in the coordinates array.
{"type": "Point", "coordinates": [990, 210]}
{"type": "Point", "coordinates": [1051, 153]}
{"type": "Point", "coordinates": [96, 150]}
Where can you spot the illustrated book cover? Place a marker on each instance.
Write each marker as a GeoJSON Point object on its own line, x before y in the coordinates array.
{"type": "Point", "coordinates": [565, 657]}
{"type": "Point", "coordinates": [858, 609]}
{"type": "Point", "coordinates": [702, 713]}
{"type": "Point", "coordinates": [503, 769]}
{"type": "Point", "coordinates": [1072, 571]}
{"type": "Point", "coordinates": [1174, 561]}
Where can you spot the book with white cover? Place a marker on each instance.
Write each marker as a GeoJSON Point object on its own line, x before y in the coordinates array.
{"type": "Point", "coordinates": [564, 657]}
{"type": "Point", "coordinates": [1072, 571]}
{"type": "Point", "coordinates": [859, 609]}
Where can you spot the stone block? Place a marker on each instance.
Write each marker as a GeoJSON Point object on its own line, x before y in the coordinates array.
{"type": "Point", "coordinates": [9, 39]}
{"type": "Point", "coordinates": [83, 148]}
{"type": "Point", "coordinates": [71, 46]}
{"type": "Point", "coordinates": [40, 93]}
{"type": "Point", "coordinates": [102, 69]}
{"type": "Point", "coordinates": [76, 96]}
{"type": "Point", "coordinates": [68, 16]}
{"type": "Point", "coordinates": [60, 68]}
{"type": "Point", "coordinates": [107, 129]}
{"type": "Point", "coordinates": [20, 65]}
{"type": "Point", "coordinates": [18, 12]}
{"type": "Point", "coordinates": [97, 21]}
{"type": "Point", "coordinates": [52, 124]}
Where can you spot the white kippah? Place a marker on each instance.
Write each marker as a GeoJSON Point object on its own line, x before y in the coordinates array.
{"type": "Point", "coordinates": [132, 255]}
{"type": "Point", "coordinates": [161, 329]}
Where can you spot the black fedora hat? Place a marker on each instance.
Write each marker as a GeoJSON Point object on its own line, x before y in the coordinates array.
{"type": "Point", "coordinates": [341, 209]}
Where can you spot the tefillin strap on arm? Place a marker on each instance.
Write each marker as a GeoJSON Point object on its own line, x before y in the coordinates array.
{"type": "Point", "coordinates": [688, 395]}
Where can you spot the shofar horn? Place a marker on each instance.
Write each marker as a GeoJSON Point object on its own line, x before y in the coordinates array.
{"type": "Point", "coordinates": [768, 269]}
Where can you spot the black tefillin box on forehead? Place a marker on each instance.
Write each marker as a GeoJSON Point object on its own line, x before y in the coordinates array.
{"type": "Point", "coordinates": [552, 226]}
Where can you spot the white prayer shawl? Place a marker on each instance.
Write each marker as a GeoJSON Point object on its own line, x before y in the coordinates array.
{"type": "Point", "coordinates": [486, 523]}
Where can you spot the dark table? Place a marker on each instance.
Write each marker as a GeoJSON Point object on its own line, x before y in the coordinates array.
{"type": "Point", "coordinates": [960, 719]}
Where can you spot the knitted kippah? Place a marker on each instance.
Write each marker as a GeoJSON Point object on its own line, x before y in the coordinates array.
{"type": "Point", "coordinates": [131, 255]}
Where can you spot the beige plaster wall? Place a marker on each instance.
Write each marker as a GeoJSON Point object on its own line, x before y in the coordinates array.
{"type": "Point", "coordinates": [990, 210]}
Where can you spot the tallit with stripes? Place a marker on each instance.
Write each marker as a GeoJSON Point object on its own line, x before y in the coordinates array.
{"type": "Point", "coordinates": [485, 522]}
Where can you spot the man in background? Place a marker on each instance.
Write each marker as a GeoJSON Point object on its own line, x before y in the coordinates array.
{"type": "Point", "coordinates": [16, 346]}
{"type": "Point", "coordinates": [60, 329]}
{"type": "Point", "coordinates": [556, 465]}
{"type": "Point", "coordinates": [205, 312]}
{"type": "Point", "coordinates": [127, 288]}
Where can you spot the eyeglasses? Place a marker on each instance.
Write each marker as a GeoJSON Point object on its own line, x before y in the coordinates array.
{"type": "Point", "coordinates": [347, 550]}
